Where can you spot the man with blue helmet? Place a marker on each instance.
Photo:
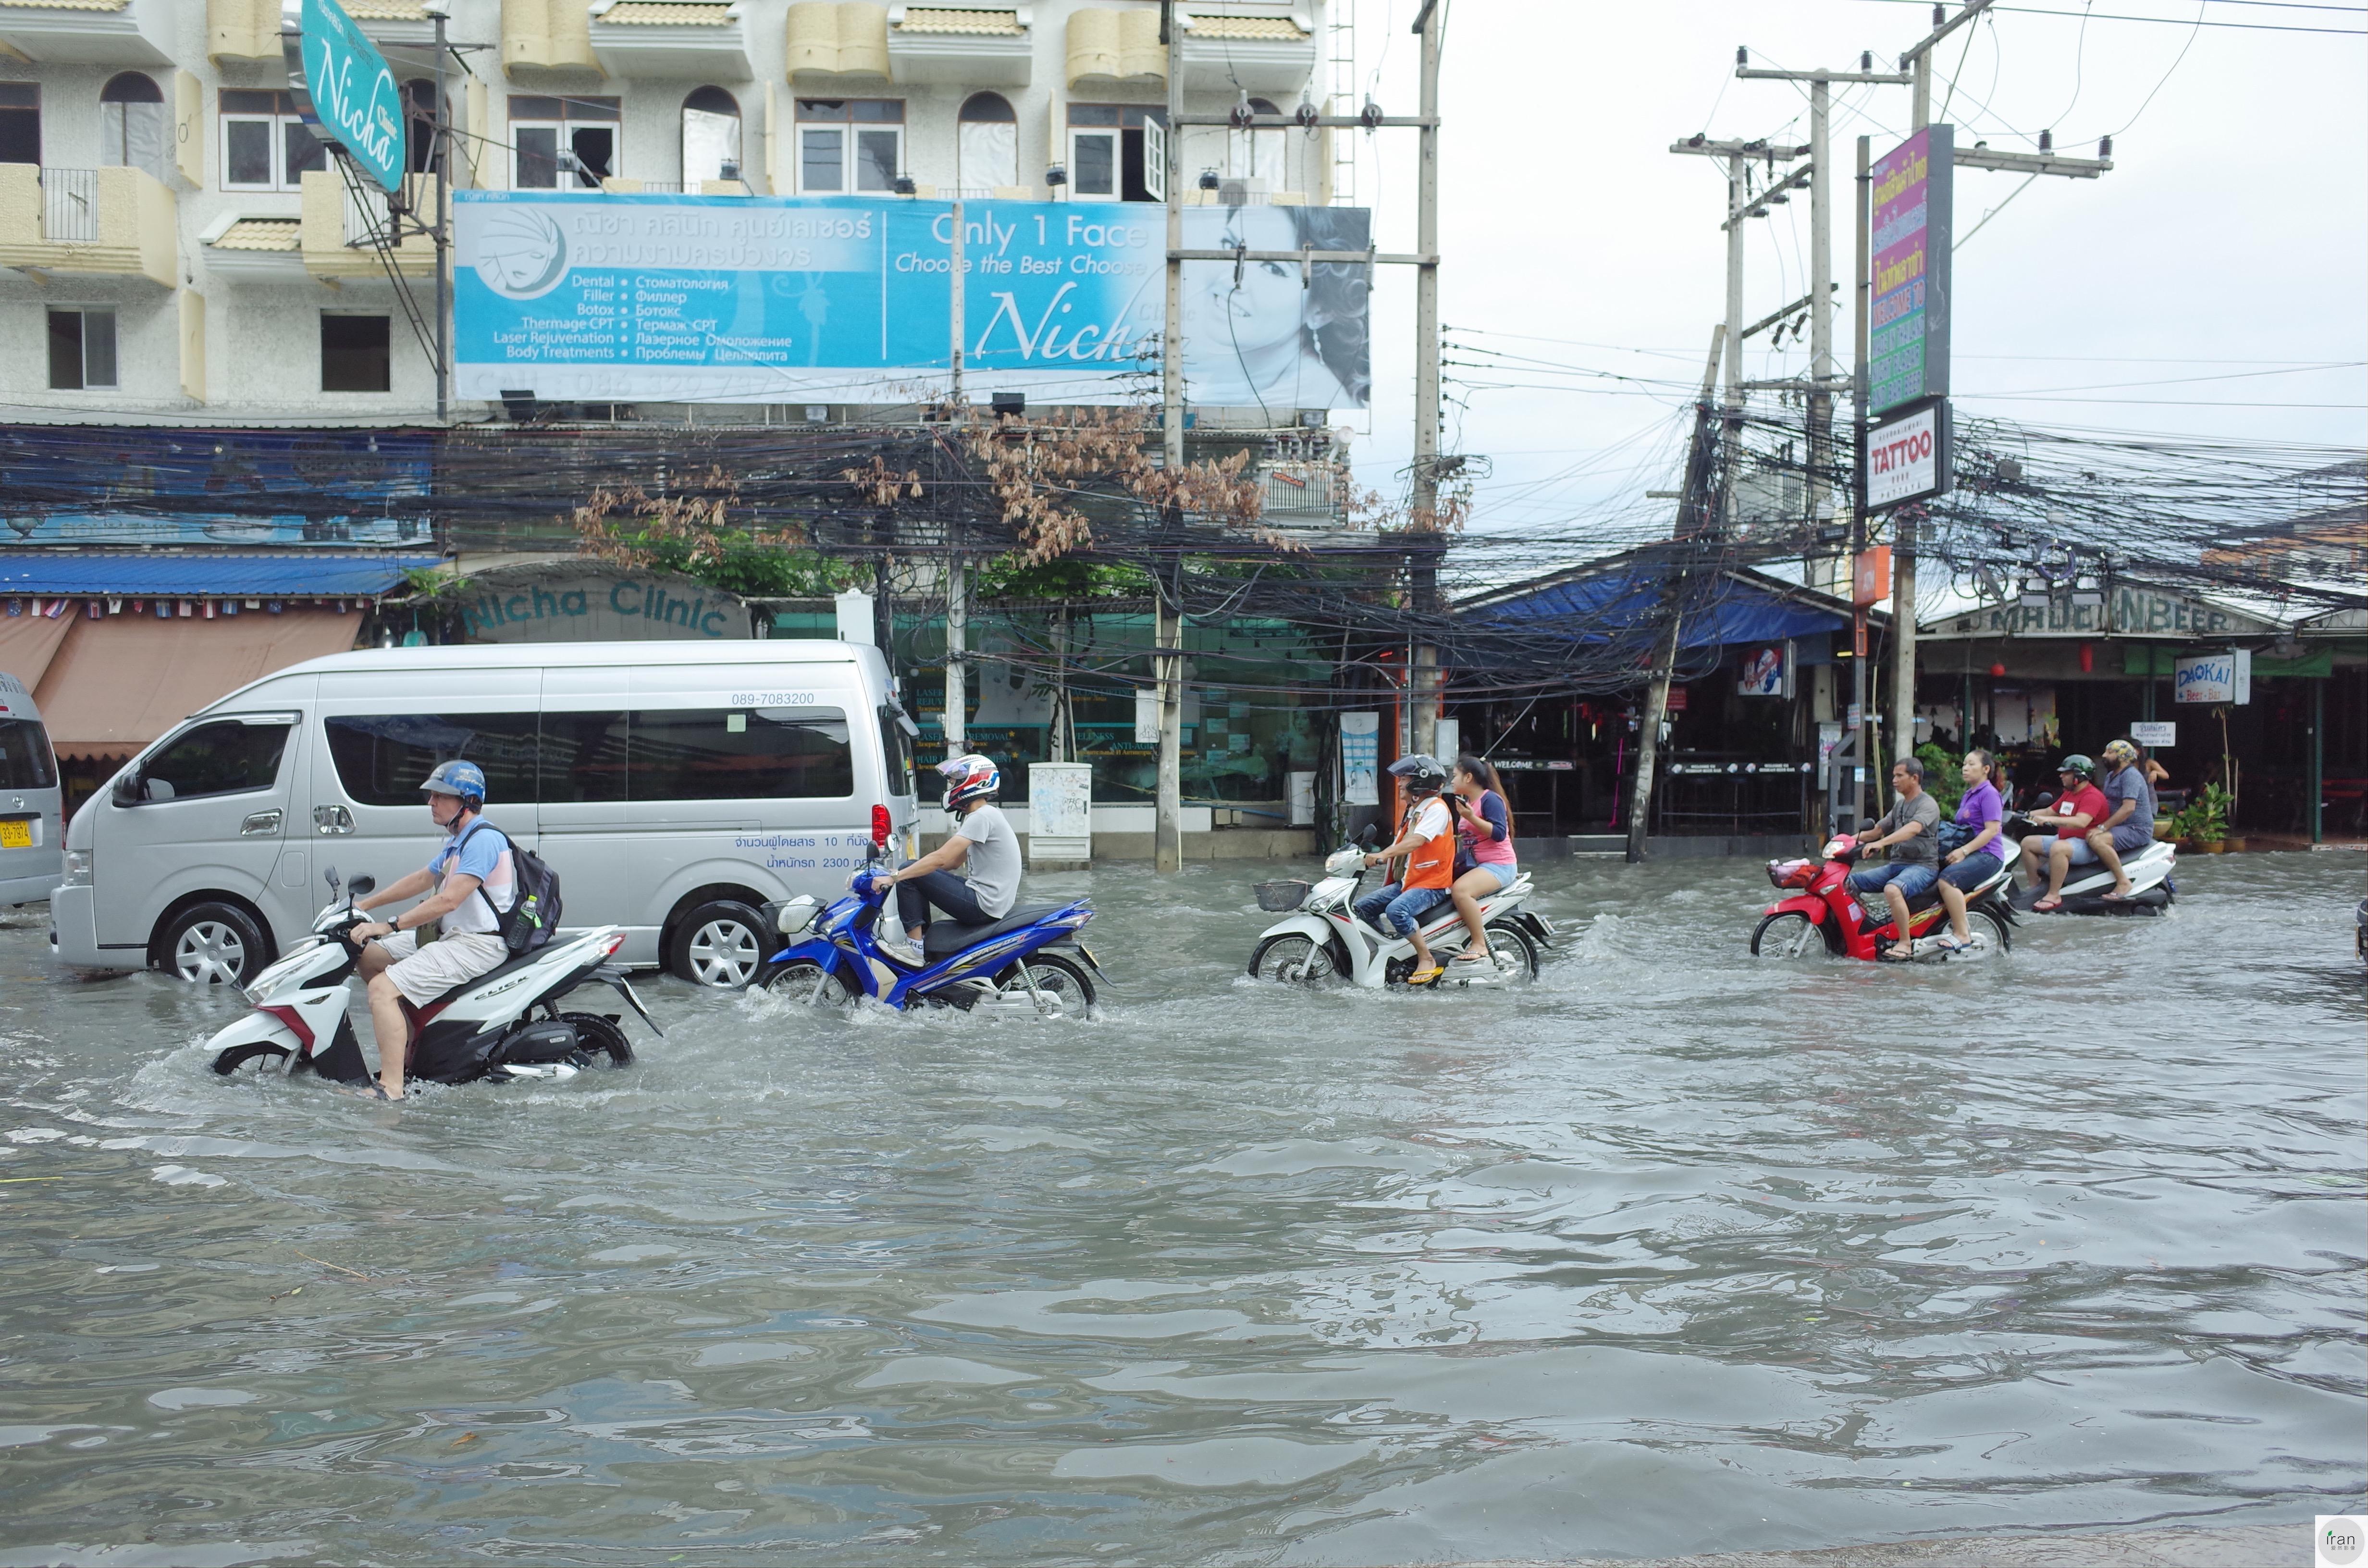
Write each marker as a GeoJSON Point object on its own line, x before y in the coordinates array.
{"type": "Point", "coordinates": [975, 874]}
{"type": "Point", "coordinates": [453, 934]}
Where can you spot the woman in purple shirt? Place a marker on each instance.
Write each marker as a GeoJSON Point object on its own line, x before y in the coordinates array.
{"type": "Point", "coordinates": [1981, 855]}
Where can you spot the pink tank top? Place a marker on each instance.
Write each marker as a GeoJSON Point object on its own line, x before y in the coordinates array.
{"type": "Point", "coordinates": [1487, 850]}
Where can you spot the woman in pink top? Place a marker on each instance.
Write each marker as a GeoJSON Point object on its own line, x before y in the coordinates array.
{"type": "Point", "coordinates": [1484, 827]}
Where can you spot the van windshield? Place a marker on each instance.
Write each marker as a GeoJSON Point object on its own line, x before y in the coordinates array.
{"type": "Point", "coordinates": [25, 760]}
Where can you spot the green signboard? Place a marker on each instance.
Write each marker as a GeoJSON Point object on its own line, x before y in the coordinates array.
{"type": "Point", "coordinates": [345, 84]}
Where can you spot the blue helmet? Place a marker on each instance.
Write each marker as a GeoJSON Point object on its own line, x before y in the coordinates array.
{"type": "Point", "coordinates": [465, 779]}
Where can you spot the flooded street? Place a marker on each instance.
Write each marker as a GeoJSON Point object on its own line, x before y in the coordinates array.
{"type": "Point", "coordinates": [1673, 1252]}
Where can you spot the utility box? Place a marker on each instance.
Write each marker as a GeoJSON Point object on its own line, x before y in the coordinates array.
{"type": "Point", "coordinates": [1060, 815]}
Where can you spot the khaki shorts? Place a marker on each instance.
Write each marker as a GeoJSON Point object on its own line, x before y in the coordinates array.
{"type": "Point", "coordinates": [423, 974]}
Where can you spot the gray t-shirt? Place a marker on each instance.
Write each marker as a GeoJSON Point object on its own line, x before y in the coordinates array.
{"type": "Point", "coordinates": [1924, 849]}
{"type": "Point", "coordinates": [2130, 784]}
{"type": "Point", "coordinates": [993, 867]}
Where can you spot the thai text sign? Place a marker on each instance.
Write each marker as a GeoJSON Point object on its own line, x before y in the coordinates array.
{"type": "Point", "coordinates": [1908, 457]}
{"type": "Point", "coordinates": [615, 297]}
{"type": "Point", "coordinates": [2212, 677]}
{"type": "Point", "coordinates": [352, 92]}
{"type": "Point", "coordinates": [1907, 349]}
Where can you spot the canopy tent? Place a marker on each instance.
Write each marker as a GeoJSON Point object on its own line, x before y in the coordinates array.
{"type": "Point", "coordinates": [116, 684]}
{"type": "Point", "coordinates": [27, 643]}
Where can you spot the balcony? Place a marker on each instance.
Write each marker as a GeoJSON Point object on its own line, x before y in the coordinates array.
{"type": "Point", "coordinates": [547, 35]}
{"type": "Point", "coordinates": [340, 226]}
{"type": "Point", "coordinates": [1111, 48]}
{"type": "Point", "coordinates": [831, 41]}
{"type": "Point", "coordinates": [1254, 55]}
{"type": "Point", "coordinates": [89, 32]}
{"type": "Point", "coordinates": [115, 223]}
{"type": "Point", "coordinates": [1302, 494]}
{"type": "Point", "coordinates": [960, 46]}
{"type": "Point", "coordinates": [690, 40]}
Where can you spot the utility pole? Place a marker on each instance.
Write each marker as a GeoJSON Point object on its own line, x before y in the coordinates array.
{"type": "Point", "coordinates": [1861, 691]}
{"type": "Point", "coordinates": [1423, 676]}
{"type": "Point", "coordinates": [957, 644]}
{"type": "Point", "coordinates": [1167, 624]}
{"type": "Point", "coordinates": [442, 164]}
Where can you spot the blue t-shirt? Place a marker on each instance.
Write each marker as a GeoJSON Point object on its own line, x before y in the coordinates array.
{"type": "Point", "coordinates": [2129, 783]}
{"type": "Point", "coordinates": [483, 852]}
{"type": "Point", "coordinates": [1979, 808]}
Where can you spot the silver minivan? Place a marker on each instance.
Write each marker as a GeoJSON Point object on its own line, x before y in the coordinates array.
{"type": "Point", "coordinates": [675, 788]}
{"type": "Point", "coordinates": [29, 858]}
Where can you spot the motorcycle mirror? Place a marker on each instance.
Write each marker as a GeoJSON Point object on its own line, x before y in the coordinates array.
{"type": "Point", "coordinates": [329, 875]}
{"type": "Point", "coordinates": [362, 884]}
{"type": "Point", "coordinates": [1371, 837]}
{"type": "Point", "coordinates": [2043, 800]}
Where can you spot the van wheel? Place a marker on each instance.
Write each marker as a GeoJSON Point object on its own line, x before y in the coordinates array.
{"type": "Point", "coordinates": [211, 943]}
{"type": "Point", "coordinates": [719, 945]}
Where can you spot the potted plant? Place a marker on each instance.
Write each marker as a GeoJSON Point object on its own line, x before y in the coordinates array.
{"type": "Point", "coordinates": [2204, 823]}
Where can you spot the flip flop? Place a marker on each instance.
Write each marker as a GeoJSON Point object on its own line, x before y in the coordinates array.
{"type": "Point", "coordinates": [1469, 957]}
{"type": "Point", "coordinates": [1424, 976]}
{"type": "Point", "coordinates": [2116, 897]}
{"type": "Point", "coordinates": [2047, 906]}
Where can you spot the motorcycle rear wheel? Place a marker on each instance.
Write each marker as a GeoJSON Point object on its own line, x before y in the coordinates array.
{"type": "Point", "coordinates": [1292, 958]}
{"type": "Point", "coordinates": [804, 983]}
{"type": "Point", "coordinates": [1989, 930]}
{"type": "Point", "coordinates": [601, 1040]}
{"type": "Point", "coordinates": [1787, 934]}
{"type": "Point", "coordinates": [1504, 937]}
{"type": "Point", "coordinates": [262, 1053]}
{"type": "Point", "coordinates": [1063, 982]}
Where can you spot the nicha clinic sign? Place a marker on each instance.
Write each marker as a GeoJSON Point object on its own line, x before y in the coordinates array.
{"type": "Point", "coordinates": [346, 87]}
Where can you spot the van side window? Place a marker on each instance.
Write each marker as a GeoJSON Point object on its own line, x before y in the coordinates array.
{"type": "Point", "coordinates": [25, 756]}
{"type": "Point", "coordinates": [382, 757]}
{"type": "Point", "coordinates": [217, 759]}
{"type": "Point", "coordinates": [582, 758]}
{"type": "Point", "coordinates": [718, 754]}
{"type": "Point", "coordinates": [896, 747]}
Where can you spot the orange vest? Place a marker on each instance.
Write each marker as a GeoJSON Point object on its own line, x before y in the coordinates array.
{"type": "Point", "coordinates": [1431, 864]}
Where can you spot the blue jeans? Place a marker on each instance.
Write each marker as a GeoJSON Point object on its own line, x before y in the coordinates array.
{"type": "Point", "coordinates": [1910, 879]}
{"type": "Point", "coordinates": [1396, 908]}
{"type": "Point", "coordinates": [947, 892]}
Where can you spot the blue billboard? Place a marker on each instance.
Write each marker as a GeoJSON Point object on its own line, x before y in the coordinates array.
{"type": "Point", "coordinates": [603, 297]}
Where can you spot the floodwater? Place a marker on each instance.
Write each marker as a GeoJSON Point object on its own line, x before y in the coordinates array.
{"type": "Point", "coordinates": [1673, 1252]}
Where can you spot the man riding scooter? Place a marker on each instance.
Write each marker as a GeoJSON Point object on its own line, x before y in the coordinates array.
{"type": "Point", "coordinates": [1427, 840]}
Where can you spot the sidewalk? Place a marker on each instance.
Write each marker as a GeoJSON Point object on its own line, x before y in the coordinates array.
{"type": "Point", "coordinates": [2250, 1546]}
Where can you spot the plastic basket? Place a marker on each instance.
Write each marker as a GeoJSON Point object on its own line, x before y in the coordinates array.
{"type": "Point", "coordinates": [1276, 898]}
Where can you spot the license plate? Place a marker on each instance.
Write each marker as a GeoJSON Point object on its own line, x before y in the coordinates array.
{"type": "Point", "coordinates": [17, 832]}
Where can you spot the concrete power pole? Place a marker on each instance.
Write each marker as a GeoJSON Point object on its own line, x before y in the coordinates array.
{"type": "Point", "coordinates": [1168, 633]}
{"type": "Point", "coordinates": [1424, 677]}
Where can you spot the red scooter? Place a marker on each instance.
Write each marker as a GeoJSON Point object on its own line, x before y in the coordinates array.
{"type": "Point", "coordinates": [1824, 916]}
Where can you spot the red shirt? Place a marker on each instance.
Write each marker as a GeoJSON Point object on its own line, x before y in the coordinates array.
{"type": "Point", "coordinates": [2087, 799]}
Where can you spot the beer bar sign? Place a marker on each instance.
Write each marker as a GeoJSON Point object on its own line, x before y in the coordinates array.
{"type": "Point", "coordinates": [1907, 349]}
{"type": "Point", "coordinates": [1908, 456]}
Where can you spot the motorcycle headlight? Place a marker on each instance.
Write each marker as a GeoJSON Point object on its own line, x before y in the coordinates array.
{"type": "Point", "coordinates": [78, 865]}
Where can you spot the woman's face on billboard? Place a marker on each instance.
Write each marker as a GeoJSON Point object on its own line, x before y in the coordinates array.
{"type": "Point", "coordinates": [1265, 308]}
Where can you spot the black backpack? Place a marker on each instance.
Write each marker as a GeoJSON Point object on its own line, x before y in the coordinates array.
{"type": "Point", "coordinates": [533, 916]}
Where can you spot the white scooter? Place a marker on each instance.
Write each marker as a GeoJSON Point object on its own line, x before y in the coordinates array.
{"type": "Point", "coordinates": [1325, 939]}
{"type": "Point", "coordinates": [481, 1028]}
{"type": "Point", "coordinates": [2151, 888]}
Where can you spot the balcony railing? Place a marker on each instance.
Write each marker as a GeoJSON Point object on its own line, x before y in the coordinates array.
{"type": "Point", "coordinates": [1299, 493]}
{"type": "Point", "coordinates": [70, 206]}
{"type": "Point", "coordinates": [112, 220]}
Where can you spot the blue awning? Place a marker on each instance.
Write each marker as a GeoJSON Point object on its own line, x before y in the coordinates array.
{"type": "Point", "coordinates": [319, 575]}
{"type": "Point", "coordinates": [1627, 598]}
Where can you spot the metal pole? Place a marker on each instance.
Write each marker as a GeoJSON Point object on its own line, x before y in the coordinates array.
{"type": "Point", "coordinates": [956, 302]}
{"type": "Point", "coordinates": [957, 644]}
{"type": "Point", "coordinates": [442, 163]}
{"type": "Point", "coordinates": [1167, 627]}
{"type": "Point", "coordinates": [1864, 745]}
{"type": "Point", "coordinates": [1821, 316]}
{"type": "Point", "coordinates": [1425, 673]}
{"type": "Point", "coordinates": [2318, 755]}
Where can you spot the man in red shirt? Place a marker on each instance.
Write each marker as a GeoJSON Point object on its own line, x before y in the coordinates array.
{"type": "Point", "coordinates": [2079, 807]}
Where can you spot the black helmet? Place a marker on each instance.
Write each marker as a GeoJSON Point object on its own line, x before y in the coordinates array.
{"type": "Point", "coordinates": [1424, 772]}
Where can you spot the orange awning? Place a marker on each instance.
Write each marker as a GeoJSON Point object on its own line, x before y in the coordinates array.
{"type": "Point", "coordinates": [28, 642]}
{"type": "Point", "coordinates": [120, 683]}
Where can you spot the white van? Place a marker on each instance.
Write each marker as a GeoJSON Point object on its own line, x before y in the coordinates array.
{"type": "Point", "coordinates": [674, 788]}
{"type": "Point", "coordinates": [30, 858]}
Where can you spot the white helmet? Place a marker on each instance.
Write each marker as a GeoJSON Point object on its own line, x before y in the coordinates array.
{"type": "Point", "coordinates": [970, 778]}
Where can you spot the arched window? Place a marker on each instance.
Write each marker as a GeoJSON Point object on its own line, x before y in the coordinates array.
{"type": "Point", "coordinates": [710, 137]}
{"type": "Point", "coordinates": [989, 149]}
{"type": "Point", "coordinates": [423, 157]}
{"type": "Point", "coordinates": [132, 125]}
{"type": "Point", "coordinates": [1258, 154]}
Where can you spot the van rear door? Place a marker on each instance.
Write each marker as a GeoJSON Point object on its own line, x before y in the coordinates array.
{"type": "Point", "coordinates": [30, 830]}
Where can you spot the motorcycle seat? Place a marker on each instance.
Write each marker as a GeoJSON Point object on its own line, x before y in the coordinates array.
{"type": "Point", "coordinates": [943, 938]}
{"type": "Point", "coordinates": [511, 967]}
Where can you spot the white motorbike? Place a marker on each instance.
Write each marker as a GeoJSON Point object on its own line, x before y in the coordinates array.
{"type": "Point", "coordinates": [1324, 940]}
{"type": "Point", "coordinates": [2152, 887]}
{"type": "Point", "coordinates": [484, 1027]}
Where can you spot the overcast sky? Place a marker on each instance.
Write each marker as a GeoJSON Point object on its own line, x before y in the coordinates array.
{"type": "Point", "coordinates": [2230, 240]}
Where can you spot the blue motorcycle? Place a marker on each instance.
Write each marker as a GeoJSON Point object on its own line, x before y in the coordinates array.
{"type": "Point", "coordinates": [1000, 967]}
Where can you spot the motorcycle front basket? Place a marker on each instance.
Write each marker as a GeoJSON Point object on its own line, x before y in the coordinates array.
{"type": "Point", "coordinates": [1279, 898]}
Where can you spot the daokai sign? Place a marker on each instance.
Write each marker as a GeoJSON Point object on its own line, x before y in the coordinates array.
{"type": "Point", "coordinates": [346, 85]}
{"type": "Point", "coordinates": [2128, 609]}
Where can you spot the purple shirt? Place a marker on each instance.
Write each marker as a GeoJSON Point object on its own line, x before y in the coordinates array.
{"type": "Point", "coordinates": [1979, 807]}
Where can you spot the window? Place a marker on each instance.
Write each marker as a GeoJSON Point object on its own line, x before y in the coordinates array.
{"type": "Point", "coordinates": [1117, 152]}
{"type": "Point", "coordinates": [131, 133]}
{"type": "Point", "coordinates": [763, 753]}
{"type": "Point", "coordinates": [382, 757]}
{"type": "Point", "coordinates": [82, 349]}
{"type": "Point", "coordinates": [223, 758]}
{"type": "Point", "coordinates": [265, 144]}
{"type": "Point", "coordinates": [710, 137]}
{"type": "Point", "coordinates": [896, 747]}
{"type": "Point", "coordinates": [422, 157]}
{"type": "Point", "coordinates": [25, 760]}
{"type": "Point", "coordinates": [1258, 154]}
{"type": "Point", "coordinates": [989, 145]}
{"type": "Point", "coordinates": [849, 145]}
{"type": "Point", "coordinates": [354, 353]}
{"type": "Point", "coordinates": [570, 143]}
{"type": "Point", "coordinates": [20, 122]}
{"type": "Point", "coordinates": [582, 758]}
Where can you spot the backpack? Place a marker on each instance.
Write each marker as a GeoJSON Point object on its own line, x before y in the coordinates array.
{"type": "Point", "coordinates": [533, 915]}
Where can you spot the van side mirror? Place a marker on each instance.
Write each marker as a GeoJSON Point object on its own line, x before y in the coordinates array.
{"type": "Point", "coordinates": [126, 789]}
